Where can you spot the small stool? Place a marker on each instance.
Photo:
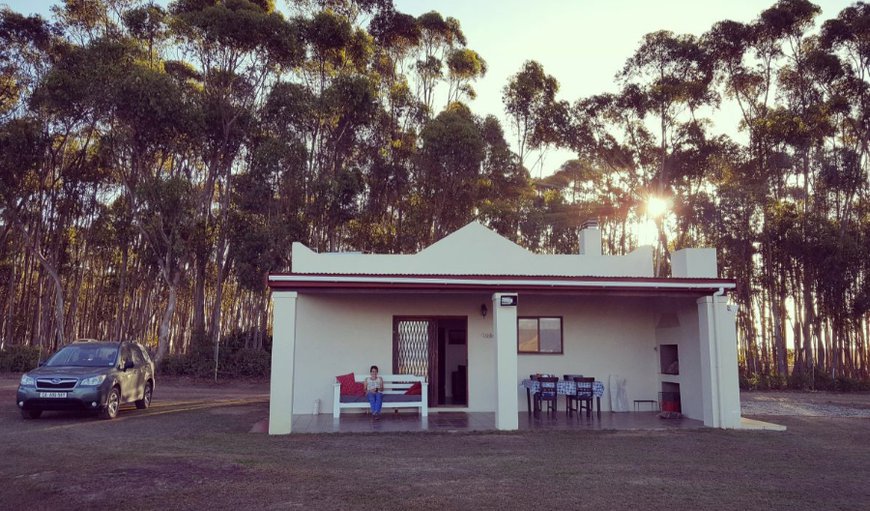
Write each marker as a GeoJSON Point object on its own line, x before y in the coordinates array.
{"type": "Point", "coordinates": [653, 404]}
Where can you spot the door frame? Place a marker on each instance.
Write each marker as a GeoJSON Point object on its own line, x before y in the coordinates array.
{"type": "Point", "coordinates": [433, 332]}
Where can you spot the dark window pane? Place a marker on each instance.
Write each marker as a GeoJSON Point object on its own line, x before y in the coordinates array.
{"type": "Point", "coordinates": [551, 335]}
{"type": "Point", "coordinates": [137, 356]}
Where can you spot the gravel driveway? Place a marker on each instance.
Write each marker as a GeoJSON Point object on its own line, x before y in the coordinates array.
{"type": "Point", "coordinates": [805, 404]}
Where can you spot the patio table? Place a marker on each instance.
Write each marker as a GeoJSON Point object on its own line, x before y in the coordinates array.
{"type": "Point", "coordinates": [564, 388]}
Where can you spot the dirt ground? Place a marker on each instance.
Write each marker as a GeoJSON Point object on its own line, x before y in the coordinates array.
{"type": "Point", "coordinates": [192, 450]}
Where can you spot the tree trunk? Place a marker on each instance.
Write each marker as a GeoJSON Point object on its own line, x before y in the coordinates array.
{"type": "Point", "coordinates": [165, 322]}
{"type": "Point", "coordinates": [117, 328]}
{"type": "Point", "coordinates": [198, 328]}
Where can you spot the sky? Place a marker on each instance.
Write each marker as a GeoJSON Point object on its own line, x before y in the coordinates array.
{"type": "Point", "coordinates": [582, 43]}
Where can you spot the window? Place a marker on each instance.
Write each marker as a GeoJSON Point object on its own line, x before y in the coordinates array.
{"type": "Point", "coordinates": [137, 356]}
{"type": "Point", "coordinates": [539, 335]}
{"type": "Point", "coordinates": [125, 355]}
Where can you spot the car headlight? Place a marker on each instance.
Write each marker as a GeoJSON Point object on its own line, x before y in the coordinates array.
{"type": "Point", "coordinates": [27, 381]}
{"type": "Point", "coordinates": [93, 380]}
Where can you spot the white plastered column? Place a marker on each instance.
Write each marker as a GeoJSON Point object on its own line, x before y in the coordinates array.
{"type": "Point", "coordinates": [719, 384]}
{"type": "Point", "coordinates": [283, 361]}
{"type": "Point", "coordinates": [504, 321]}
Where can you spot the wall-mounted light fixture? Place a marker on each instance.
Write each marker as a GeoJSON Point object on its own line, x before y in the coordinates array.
{"type": "Point", "coordinates": [483, 309]}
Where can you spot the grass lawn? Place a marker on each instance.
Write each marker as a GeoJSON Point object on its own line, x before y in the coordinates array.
{"type": "Point", "coordinates": [191, 451]}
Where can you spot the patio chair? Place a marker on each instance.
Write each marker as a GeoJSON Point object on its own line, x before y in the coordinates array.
{"type": "Point", "coordinates": [547, 393]}
{"type": "Point", "coordinates": [582, 398]}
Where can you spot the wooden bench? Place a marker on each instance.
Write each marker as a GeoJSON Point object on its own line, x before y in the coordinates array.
{"type": "Point", "coordinates": [395, 386]}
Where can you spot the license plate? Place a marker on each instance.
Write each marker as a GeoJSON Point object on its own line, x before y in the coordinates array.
{"type": "Point", "coordinates": [60, 395]}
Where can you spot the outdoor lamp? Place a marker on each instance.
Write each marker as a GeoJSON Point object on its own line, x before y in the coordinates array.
{"type": "Point", "coordinates": [483, 309]}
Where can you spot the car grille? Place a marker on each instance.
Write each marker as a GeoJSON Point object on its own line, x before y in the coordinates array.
{"type": "Point", "coordinates": [55, 383]}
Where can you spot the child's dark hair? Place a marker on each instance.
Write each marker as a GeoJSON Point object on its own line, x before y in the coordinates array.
{"type": "Point", "coordinates": [374, 367]}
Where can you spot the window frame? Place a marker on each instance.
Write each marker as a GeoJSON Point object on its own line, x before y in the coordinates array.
{"type": "Point", "coordinates": [538, 321]}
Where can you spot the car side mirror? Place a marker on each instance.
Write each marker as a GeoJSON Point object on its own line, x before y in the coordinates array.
{"type": "Point", "coordinates": [129, 365]}
{"type": "Point", "coordinates": [40, 363]}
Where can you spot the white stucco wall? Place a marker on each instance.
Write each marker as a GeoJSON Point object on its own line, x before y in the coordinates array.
{"type": "Point", "coordinates": [601, 337]}
{"type": "Point", "coordinates": [340, 333]}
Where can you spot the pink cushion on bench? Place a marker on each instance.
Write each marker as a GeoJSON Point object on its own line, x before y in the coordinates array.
{"type": "Point", "coordinates": [349, 385]}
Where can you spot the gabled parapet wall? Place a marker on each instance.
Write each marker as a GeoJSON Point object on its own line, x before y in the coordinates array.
{"type": "Point", "coordinates": [476, 250]}
{"type": "Point", "coordinates": [635, 264]}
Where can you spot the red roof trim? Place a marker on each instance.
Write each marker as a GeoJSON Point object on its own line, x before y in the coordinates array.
{"type": "Point", "coordinates": [566, 278]}
{"type": "Point", "coordinates": [480, 283]}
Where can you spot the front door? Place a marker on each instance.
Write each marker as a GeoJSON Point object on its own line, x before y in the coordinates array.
{"type": "Point", "coordinates": [436, 348]}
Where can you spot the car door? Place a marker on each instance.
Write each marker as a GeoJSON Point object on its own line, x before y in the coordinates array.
{"type": "Point", "coordinates": [141, 371]}
{"type": "Point", "coordinates": [127, 377]}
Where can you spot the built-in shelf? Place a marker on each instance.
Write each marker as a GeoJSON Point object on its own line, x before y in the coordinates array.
{"type": "Point", "coordinates": [670, 359]}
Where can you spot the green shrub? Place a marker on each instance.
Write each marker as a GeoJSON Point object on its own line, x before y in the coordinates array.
{"type": "Point", "coordinates": [248, 363]}
{"type": "Point", "coordinates": [844, 384]}
{"type": "Point", "coordinates": [748, 381]}
{"type": "Point", "coordinates": [800, 381]}
{"type": "Point", "coordinates": [175, 365]}
{"type": "Point", "coordinates": [235, 361]}
{"type": "Point", "coordinates": [197, 364]}
{"type": "Point", "coordinates": [777, 382]}
{"type": "Point", "coordinates": [19, 359]}
{"type": "Point", "coordinates": [822, 381]}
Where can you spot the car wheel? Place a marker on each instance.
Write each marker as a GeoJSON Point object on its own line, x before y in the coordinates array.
{"type": "Point", "coordinates": [31, 414]}
{"type": "Point", "coordinates": [145, 402]}
{"type": "Point", "coordinates": [113, 404]}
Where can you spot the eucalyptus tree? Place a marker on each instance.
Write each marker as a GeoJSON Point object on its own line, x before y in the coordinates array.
{"type": "Point", "coordinates": [792, 175]}
{"type": "Point", "coordinates": [438, 36]}
{"type": "Point", "coordinates": [844, 63]}
{"type": "Point", "coordinates": [25, 56]}
{"type": "Point", "coordinates": [666, 82]}
{"type": "Point", "coordinates": [744, 68]}
{"type": "Point", "coordinates": [463, 66]}
{"type": "Point", "coordinates": [69, 105]}
{"type": "Point", "coordinates": [396, 36]}
{"type": "Point", "coordinates": [237, 47]}
{"type": "Point", "coordinates": [449, 166]}
{"type": "Point", "coordinates": [506, 194]}
{"type": "Point", "coordinates": [534, 113]}
{"type": "Point", "coordinates": [268, 211]}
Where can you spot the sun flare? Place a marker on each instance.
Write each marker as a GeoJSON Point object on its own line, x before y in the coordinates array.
{"type": "Point", "coordinates": [656, 207]}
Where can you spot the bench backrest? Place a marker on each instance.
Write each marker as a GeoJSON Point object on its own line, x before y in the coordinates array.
{"type": "Point", "coordinates": [394, 383]}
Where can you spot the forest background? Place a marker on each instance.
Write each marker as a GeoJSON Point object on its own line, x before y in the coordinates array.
{"type": "Point", "coordinates": [157, 161]}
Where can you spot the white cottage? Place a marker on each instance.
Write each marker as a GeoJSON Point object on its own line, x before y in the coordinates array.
{"type": "Point", "coordinates": [475, 314]}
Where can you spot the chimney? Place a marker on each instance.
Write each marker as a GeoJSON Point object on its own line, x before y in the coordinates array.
{"type": "Point", "coordinates": [590, 238]}
{"type": "Point", "coordinates": [694, 263]}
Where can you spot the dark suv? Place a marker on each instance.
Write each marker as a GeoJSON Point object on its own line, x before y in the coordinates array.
{"type": "Point", "coordinates": [89, 375]}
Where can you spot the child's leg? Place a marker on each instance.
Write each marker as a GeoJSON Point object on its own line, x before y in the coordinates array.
{"type": "Point", "coordinates": [373, 401]}
{"type": "Point", "coordinates": [379, 401]}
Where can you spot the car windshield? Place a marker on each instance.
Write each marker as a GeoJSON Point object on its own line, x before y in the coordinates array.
{"type": "Point", "coordinates": [85, 356]}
